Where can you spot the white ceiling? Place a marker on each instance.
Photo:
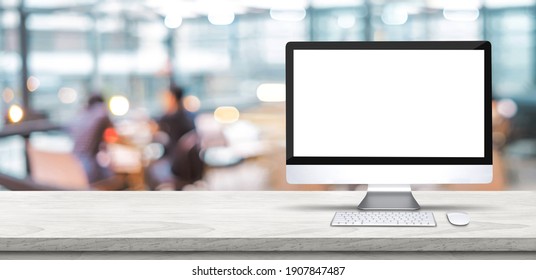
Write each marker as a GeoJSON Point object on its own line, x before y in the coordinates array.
{"type": "Point", "coordinates": [190, 8]}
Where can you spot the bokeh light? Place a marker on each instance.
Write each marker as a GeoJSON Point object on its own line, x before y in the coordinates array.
{"type": "Point", "coordinates": [191, 103]}
{"type": "Point", "coordinates": [67, 95]}
{"type": "Point", "coordinates": [271, 92]}
{"type": "Point", "coordinates": [394, 14]}
{"type": "Point", "coordinates": [33, 83]}
{"type": "Point", "coordinates": [461, 10]}
{"type": "Point", "coordinates": [153, 151]}
{"type": "Point", "coordinates": [226, 114]}
{"type": "Point", "coordinates": [461, 15]}
{"type": "Point", "coordinates": [507, 108]}
{"type": "Point", "coordinates": [15, 113]}
{"type": "Point", "coordinates": [221, 17]}
{"type": "Point", "coordinates": [119, 105]}
{"type": "Point", "coordinates": [346, 21]}
{"type": "Point", "coordinates": [288, 13]}
{"type": "Point", "coordinates": [110, 135]}
{"type": "Point", "coordinates": [8, 94]}
{"type": "Point", "coordinates": [173, 21]}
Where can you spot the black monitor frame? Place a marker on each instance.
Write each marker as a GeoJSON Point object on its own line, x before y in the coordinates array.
{"type": "Point", "coordinates": [398, 45]}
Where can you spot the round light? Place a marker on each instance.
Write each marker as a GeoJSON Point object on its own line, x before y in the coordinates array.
{"type": "Point", "coordinates": [15, 113]}
{"type": "Point", "coordinates": [191, 103]}
{"type": "Point", "coordinates": [221, 17]}
{"type": "Point", "coordinates": [67, 95]}
{"type": "Point", "coordinates": [507, 108]}
{"type": "Point", "coordinates": [33, 83]}
{"type": "Point", "coordinates": [346, 21]}
{"type": "Point", "coordinates": [153, 151]}
{"type": "Point", "coordinates": [119, 105]}
{"type": "Point", "coordinates": [394, 15]}
{"type": "Point", "coordinates": [226, 114]}
{"type": "Point", "coordinates": [172, 21]}
{"type": "Point", "coordinates": [461, 15]}
{"type": "Point", "coordinates": [288, 14]}
{"type": "Point", "coordinates": [271, 92]}
{"type": "Point", "coordinates": [8, 94]}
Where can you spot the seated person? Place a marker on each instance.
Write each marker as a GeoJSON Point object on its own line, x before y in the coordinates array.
{"type": "Point", "coordinates": [181, 152]}
{"type": "Point", "coordinates": [87, 133]}
{"type": "Point", "coordinates": [175, 122]}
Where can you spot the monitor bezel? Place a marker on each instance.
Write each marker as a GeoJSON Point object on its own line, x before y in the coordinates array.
{"type": "Point", "coordinates": [398, 45]}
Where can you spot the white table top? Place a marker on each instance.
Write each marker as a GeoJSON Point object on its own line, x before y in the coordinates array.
{"type": "Point", "coordinates": [254, 221]}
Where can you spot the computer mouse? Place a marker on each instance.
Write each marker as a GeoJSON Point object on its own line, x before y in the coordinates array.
{"type": "Point", "coordinates": [458, 218]}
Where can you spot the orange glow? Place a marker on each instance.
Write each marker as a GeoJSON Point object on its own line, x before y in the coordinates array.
{"type": "Point", "coordinates": [226, 114]}
{"type": "Point", "coordinates": [15, 113]}
{"type": "Point", "coordinates": [110, 135]}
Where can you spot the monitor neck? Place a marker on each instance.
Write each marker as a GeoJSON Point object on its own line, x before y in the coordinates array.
{"type": "Point", "coordinates": [389, 197]}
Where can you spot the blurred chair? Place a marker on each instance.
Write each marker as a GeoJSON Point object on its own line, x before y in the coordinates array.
{"type": "Point", "coordinates": [59, 169]}
{"type": "Point", "coordinates": [184, 167]}
{"type": "Point", "coordinates": [124, 158]}
{"type": "Point", "coordinates": [187, 164]}
{"type": "Point", "coordinates": [209, 131]}
{"type": "Point", "coordinates": [64, 170]}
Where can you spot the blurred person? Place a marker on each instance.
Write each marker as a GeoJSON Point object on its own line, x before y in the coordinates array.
{"type": "Point", "coordinates": [176, 121]}
{"type": "Point", "coordinates": [87, 132]}
{"type": "Point", "coordinates": [180, 164]}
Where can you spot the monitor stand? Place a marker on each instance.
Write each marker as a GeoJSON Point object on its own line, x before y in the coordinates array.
{"type": "Point", "coordinates": [389, 197]}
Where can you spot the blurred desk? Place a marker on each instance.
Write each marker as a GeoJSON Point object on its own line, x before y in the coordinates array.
{"type": "Point", "coordinates": [27, 127]}
{"type": "Point", "coordinates": [127, 160]}
{"type": "Point", "coordinates": [175, 225]}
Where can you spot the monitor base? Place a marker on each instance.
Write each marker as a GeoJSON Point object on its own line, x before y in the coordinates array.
{"type": "Point", "coordinates": [389, 197]}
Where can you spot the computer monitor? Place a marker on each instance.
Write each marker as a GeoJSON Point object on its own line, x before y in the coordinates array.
{"type": "Point", "coordinates": [388, 114]}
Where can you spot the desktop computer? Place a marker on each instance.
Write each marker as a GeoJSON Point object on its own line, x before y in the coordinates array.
{"type": "Point", "coordinates": [388, 114]}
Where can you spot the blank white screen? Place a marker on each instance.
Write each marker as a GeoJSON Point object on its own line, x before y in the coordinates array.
{"type": "Point", "coordinates": [389, 103]}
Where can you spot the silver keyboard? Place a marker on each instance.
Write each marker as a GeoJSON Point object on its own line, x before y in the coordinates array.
{"type": "Point", "coordinates": [384, 219]}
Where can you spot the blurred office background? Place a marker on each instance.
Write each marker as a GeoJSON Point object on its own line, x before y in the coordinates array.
{"type": "Point", "coordinates": [229, 56]}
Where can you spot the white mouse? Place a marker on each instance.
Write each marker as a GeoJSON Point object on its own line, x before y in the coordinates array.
{"type": "Point", "coordinates": [458, 218]}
